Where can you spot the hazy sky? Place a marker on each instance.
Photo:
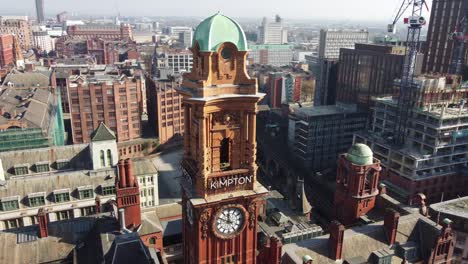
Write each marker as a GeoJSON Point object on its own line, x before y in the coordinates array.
{"type": "Point", "coordinates": [368, 10]}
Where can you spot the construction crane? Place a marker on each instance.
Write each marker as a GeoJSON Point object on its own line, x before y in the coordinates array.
{"type": "Point", "coordinates": [405, 101]}
{"type": "Point", "coordinates": [459, 37]}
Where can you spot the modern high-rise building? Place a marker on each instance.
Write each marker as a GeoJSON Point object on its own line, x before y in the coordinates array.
{"type": "Point", "coordinates": [367, 71]}
{"type": "Point", "coordinates": [18, 27]}
{"type": "Point", "coordinates": [318, 134]}
{"type": "Point", "coordinates": [272, 32]}
{"type": "Point", "coordinates": [43, 41]}
{"type": "Point", "coordinates": [271, 54]}
{"type": "Point", "coordinates": [40, 11]}
{"type": "Point", "coordinates": [185, 37]}
{"type": "Point", "coordinates": [445, 15]}
{"type": "Point", "coordinates": [330, 43]}
{"type": "Point", "coordinates": [332, 40]}
{"type": "Point", "coordinates": [433, 159]}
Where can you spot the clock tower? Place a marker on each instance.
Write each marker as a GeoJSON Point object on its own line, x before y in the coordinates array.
{"type": "Point", "coordinates": [221, 197]}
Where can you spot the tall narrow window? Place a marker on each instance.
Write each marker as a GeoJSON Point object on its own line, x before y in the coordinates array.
{"type": "Point", "coordinates": [224, 154]}
{"type": "Point", "coordinates": [109, 157]}
{"type": "Point", "coordinates": [103, 161]}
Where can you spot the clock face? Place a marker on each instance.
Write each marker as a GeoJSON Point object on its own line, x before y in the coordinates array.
{"type": "Point", "coordinates": [229, 221]}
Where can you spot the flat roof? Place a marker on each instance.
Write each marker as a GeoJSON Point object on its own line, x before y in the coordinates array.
{"type": "Point", "coordinates": [456, 207]}
{"type": "Point", "coordinates": [308, 111]}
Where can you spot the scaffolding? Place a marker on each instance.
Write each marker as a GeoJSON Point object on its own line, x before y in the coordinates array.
{"type": "Point", "coordinates": [22, 138]}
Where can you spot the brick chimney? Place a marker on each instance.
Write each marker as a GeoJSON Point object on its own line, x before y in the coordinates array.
{"type": "Point", "coordinates": [122, 174]}
{"type": "Point", "coordinates": [391, 224]}
{"type": "Point", "coordinates": [335, 242]}
{"type": "Point", "coordinates": [43, 220]}
{"type": "Point", "coordinates": [128, 196]}
{"type": "Point", "coordinates": [97, 205]}
{"type": "Point", "coordinates": [129, 173]}
{"type": "Point", "coordinates": [270, 252]}
{"type": "Point", "coordinates": [275, 250]}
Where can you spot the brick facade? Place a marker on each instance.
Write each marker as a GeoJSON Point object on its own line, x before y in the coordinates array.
{"type": "Point", "coordinates": [116, 102]}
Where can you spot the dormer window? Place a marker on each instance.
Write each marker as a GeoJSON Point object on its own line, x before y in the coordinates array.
{"type": "Point", "coordinates": [42, 166]}
{"type": "Point", "coordinates": [108, 190]}
{"type": "Point", "coordinates": [21, 169]}
{"type": "Point", "coordinates": [36, 199]}
{"type": "Point", "coordinates": [10, 203]}
{"type": "Point", "coordinates": [85, 192]}
{"type": "Point", "coordinates": [62, 195]}
{"type": "Point", "coordinates": [62, 164]}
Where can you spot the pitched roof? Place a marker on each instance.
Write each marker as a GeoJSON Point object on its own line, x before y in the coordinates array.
{"type": "Point", "coordinates": [103, 133]}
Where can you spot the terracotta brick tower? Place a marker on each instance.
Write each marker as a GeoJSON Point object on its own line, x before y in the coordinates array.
{"type": "Point", "coordinates": [356, 183]}
{"type": "Point", "coordinates": [128, 195]}
{"type": "Point", "coordinates": [335, 242]}
{"type": "Point", "coordinates": [442, 251]}
{"type": "Point", "coordinates": [221, 198]}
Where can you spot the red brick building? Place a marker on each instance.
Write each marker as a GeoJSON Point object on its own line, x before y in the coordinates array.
{"type": "Point", "coordinates": [104, 51]}
{"type": "Point", "coordinates": [6, 50]}
{"type": "Point", "coordinates": [356, 184]}
{"type": "Point", "coordinates": [165, 107]}
{"type": "Point", "coordinates": [115, 100]}
{"type": "Point", "coordinates": [124, 31]}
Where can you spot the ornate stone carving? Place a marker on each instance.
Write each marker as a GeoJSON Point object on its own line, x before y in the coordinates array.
{"type": "Point", "coordinates": [204, 218]}
{"type": "Point", "coordinates": [252, 214]}
{"type": "Point", "coordinates": [226, 119]}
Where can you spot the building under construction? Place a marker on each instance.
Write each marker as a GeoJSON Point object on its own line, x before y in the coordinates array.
{"type": "Point", "coordinates": [433, 159]}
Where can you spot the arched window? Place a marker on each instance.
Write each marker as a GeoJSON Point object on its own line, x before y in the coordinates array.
{"type": "Point", "coordinates": [152, 241]}
{"type": "Point", "coordinates": [224, 154]}
{"type": "Point", "coordinates": [109, 157]}
{"type": "Point", "coordinates": [103, 161]}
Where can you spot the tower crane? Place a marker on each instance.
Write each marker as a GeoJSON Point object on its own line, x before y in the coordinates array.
{"type": "Point", "coordinates": [405, 101]}
{"type": "Point", "coordinates": [459, 37]}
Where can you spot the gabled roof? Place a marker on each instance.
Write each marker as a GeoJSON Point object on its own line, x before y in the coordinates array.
{"type": "Point", "coordinates": [102, 133]}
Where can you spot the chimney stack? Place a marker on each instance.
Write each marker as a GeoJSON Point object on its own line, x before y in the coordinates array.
{"type": "Point", "coordinates": [129, 173]}
{"type": "Point", "coordinates": [275, 250]}
{"type": "Point", "coordinates": [391, 224]}
{"type": "Point", "coordinates": [122, 174]}
{"type": "Point", "coordinates": [97, 205]}
{"type": "Point", "coordinates": [122, 219]}
{"type": "Point", "coordinates": [43, 223]}
{"type": "Point", "coordinates": [335, 243]}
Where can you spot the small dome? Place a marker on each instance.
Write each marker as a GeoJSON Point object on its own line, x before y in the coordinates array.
{"type": "Point", "coordinates": [360, 154]}
{"type": "Point", "coordinates": [306, 258]}
{"type": "Point", "coordinates": [216, 30]}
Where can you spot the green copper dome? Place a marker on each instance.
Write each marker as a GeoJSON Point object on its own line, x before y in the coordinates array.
{"type": "Point", "coordinates": [360, 154]}
{"type": "Point", "coordinates": [218, 29]}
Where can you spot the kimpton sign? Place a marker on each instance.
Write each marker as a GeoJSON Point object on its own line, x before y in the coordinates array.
{"type": "Point", "coordinates": [229, 181]}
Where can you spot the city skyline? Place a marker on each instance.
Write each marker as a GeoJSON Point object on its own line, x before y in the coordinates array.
{"type": "Point", "coordinates": [348, 10]}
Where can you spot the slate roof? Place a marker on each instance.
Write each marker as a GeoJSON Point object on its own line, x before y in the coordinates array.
{"type": "Point", "coordinates": [102, 133]}
{"type": "Point", "coordinates": [77, 154]}
{"type": "Point", "coordinates": [59, 245]}
{"type": "Point", "coordinates": [28, 79]}
{"type": "Point", "coordinates": [128, 248]}
{"type": "Point", "coordinates": [361, 241]}
{"type": "Point", "coordinates": [36, 106]}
